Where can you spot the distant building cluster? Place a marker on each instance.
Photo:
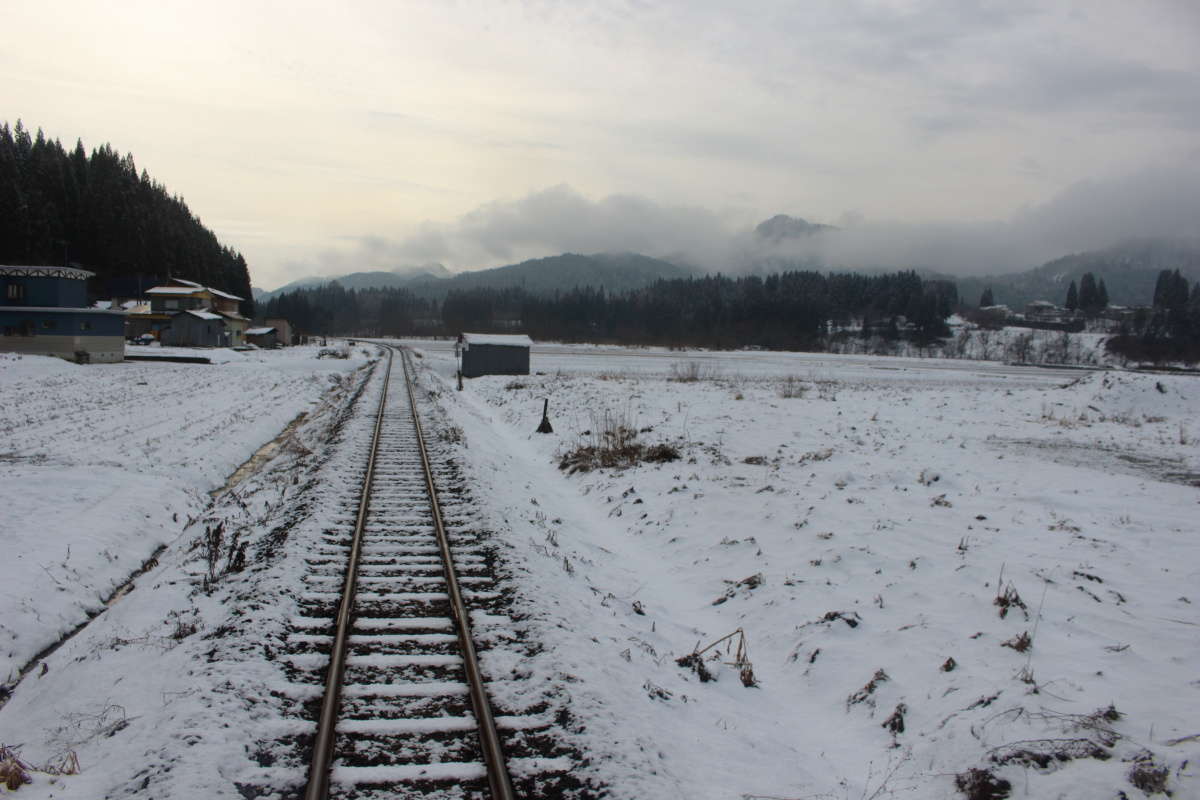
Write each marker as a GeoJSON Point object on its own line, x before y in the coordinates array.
{"type": "Point", "coordinates": [183, 313]}
{"type": "Point", "coordinates": [45, 311]}
{"type": "Point", "coordinates": [1046, 315]}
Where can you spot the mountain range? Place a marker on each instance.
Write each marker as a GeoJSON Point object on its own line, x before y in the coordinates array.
{"type": "Point", "coordinates": [375, 279]}
{"type": "Point", "coordinates": [613, 272]}
{"type": "Point", "coordinates": [1129, 270]}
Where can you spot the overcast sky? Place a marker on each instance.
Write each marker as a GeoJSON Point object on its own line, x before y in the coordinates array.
{"type": "Point", "coordinates": [329, 137]}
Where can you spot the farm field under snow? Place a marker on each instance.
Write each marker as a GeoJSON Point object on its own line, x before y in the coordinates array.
{"type": "Point", "coordinates": [883, 532]}
{"type": "Point", "coordinates": [104, 464]}
{"type": "Point", "coordinates": [936, 566]}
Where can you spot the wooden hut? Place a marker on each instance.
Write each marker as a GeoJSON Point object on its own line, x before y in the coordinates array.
{"type": "Point", "coordinates": [494, 354]}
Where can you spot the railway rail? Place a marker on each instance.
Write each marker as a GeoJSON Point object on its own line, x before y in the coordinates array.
{"type": "Point", "coordinates": [389, 622]}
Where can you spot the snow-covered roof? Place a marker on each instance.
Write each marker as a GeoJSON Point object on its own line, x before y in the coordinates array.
{"type": "Point", "coordinates": [180, 290]}
{"type": "Point", "coordinates": [258, 331]}
{"type": "Point", "coordinates": [203, 314]}
{"type": "Point", "coordinates": [46, 272]}
{"type": "Point", "coordinates": [57, 310]}
{"type": "Point", "coordinates": [190, 287]}
{"type": "Point", "coordinates": [499, 339]}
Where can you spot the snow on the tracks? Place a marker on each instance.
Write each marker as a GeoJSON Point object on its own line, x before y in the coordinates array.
{"type": "Point", "coordinates": [446, 771]}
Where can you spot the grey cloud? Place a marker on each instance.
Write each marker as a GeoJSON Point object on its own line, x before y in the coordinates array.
{"type": "Point", "coordinates": [546, 222]}
{"type": "Point", "coordinates": [915, 35]}
{"type": "Point", "coordinates": [1059, 82]}
{"type": "Point", "coordinates": [722, 140]}
{"type": "Point", "coordinates": [560, 219]}
{"type": "Point", "coordinates": [1163, 201]}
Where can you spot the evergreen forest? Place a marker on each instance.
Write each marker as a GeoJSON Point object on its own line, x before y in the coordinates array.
{"type": "Point", "coordinates": [792, 310]}
{"type": "Point", "coordinates": [96, 212]}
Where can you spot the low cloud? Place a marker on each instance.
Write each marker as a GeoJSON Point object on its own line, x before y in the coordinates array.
{"type": "Point", "coordinates": [548, 222]}
{"type": "Point", "coordinates": [1157, 202]}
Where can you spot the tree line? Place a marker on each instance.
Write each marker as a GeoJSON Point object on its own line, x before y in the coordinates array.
{"type": "Point", "coordinates": [790, 310]}
{"type": "Point", "coordinates": [1170, 329]}
{"type": "Point", "coordinates": [1090, 298]}
{"type": "Point", "coordinates": [95, 211]}
{"type": "Point", "coordinates": [333, 310]}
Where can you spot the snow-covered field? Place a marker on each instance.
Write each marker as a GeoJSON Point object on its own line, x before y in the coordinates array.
{"type": "Point", "coordinates": [856, 519]}
{"type": "Point", "coordinates": [104, 464]}
{"type": "Point", "coordinates": [884, 534]}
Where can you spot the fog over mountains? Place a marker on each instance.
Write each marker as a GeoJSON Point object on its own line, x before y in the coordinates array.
{"type": "Point", "coordinates": [1142, 220]}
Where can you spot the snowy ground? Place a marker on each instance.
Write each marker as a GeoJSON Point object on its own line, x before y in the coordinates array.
{"type": "Point", "coordinates": [860, 536]}
{"type": "Point", "coordinates": [104, 464]}
{"type": "Point", "coordinates": [854, 531]}
{"type": "Point", "coordinates": [170, 692]}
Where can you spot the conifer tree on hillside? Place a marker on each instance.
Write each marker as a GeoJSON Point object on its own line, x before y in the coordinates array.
{"type": "Point", "coordinates": [986, 299]}
{"type": "Point", "coordinates": [1072, 297]}
{"type": "Point", "coordinates": [1089, 294]}
{"type": "Point", "coordinates": [1171, 290]}
{"type": "Point", "coordinates": [98, 212]}
{"type": "Point", "coordinates": [1101, 296]}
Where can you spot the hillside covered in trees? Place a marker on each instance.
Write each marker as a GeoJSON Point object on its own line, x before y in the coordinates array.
{"type": "Point", "coordinates": [1128, 270]}
{"type": "Point", "coordinates": [795, 310]}
{"type": "Point", "coordinates": [96, 212]}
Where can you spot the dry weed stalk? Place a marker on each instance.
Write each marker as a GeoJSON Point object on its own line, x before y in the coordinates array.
{"type": "Point", "coordinates": [1020, 643]}
{"type": "Point", "coordinates": [863, 695]}
{"type": "Point", "coordinates": [612, 442]}
{"type": "Point", "coordinates": [1007, 597]}
{"type": "Point", "coordinates": [1149, 775]}
{"type": "Point", "coordinates": [691, 372]}
{"type": "Point", "coordinates": [792, 387]}
{"type": "Point", "coordinates": [741, 659]}
{"type": "Point", "coordinates": [14, 773]}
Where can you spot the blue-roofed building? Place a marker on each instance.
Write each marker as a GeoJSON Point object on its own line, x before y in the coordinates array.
{"type": "Point", "coordinates": [43, 311]}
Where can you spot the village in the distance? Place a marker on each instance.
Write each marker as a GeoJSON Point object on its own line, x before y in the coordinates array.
{"type": "Point", "coordinates": [602, 401]}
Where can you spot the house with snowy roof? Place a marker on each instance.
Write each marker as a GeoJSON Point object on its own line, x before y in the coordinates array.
{"type": "Point", "coordinates": [263, 336]}
{"type": "Point", "coordinates": [196, 328]}
{"type": "Point", "coordinates": [184, 313]}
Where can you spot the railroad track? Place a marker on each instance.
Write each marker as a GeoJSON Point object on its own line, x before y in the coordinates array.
{"type": "Point", "coordinates": [382, 650]}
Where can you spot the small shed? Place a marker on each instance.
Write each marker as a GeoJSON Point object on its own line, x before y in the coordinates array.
{"type": "Point", "coordinates": [196, 329]}
{"type": "Point", "coordinates": [263, 337]}
{"type": "Point", "coordinates": [495, 354]}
